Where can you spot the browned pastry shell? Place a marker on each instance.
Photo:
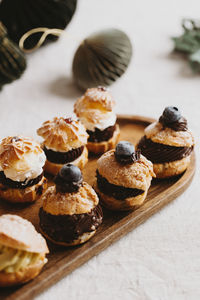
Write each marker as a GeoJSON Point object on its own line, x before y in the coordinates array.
{"type": "Point", "coordinates": [17, 232]}
{"type": "Point", "coordinates": [63, 134]}
{"type": "Point", "coordinates": [80, 162]}
{"type": "Point", "coordinates": [95, 98]}
{"type": "Point", "coordinates": [20, 234]}
{"type": "Point", "coordinates": [123, 205]}
{"type": "Point", "coordinates": [12, 149]}
{"type": "Point", "coordinates": [70, 203]}
{"type": "Point", "coordinates": [98, 148]}
{"type": "Point", "coordinates": [82, 239]}
{"type": "Point", "coordinates": [22, 276]}
{"type": "Point", "coordinates": [29, 194]}
{"type": "Point", "coordinates": [172, 168]}
{"type": "Point", "coordinates": [136, 175]}
{"type": "Point", "coordinates": [168, 136]}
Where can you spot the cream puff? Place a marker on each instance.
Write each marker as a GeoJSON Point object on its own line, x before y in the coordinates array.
{"type": "Point", "coordinates": [123, 177]}
{"type": "Point", "coordinates": [168, 144]}
{"type": "Point", "coordinates": [71, 212]}
{"type": "Point", "coordinates": [22, 251]}
{"type": "Point", "coordinates": [95, 111]}
{"type": "Point", "coordinates": [21, 169]}
{"type": "Point", "coordinates": [64, 142]}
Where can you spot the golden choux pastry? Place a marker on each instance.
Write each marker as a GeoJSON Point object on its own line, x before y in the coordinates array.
{"type": "Point", "coordinates": [64, 142]}
{"type": "Point", "coordinates": [21, 169]}
{"type": "Point", "coordinates": [71, 213]}
{"type": "Point", "coordinates": [123, 177]}
{"type": "Point", "coordinates": [22, 251]}
{"type": "Point", "coordinates": [168, 144]}
{"type": "Point", "coordinates": [95, 111]}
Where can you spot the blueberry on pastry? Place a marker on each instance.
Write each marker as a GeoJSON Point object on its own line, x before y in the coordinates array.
{"type": "Point", "coordinates": [71, 212]}
{"type": "Point", "coordinates": [123, 177]}
{"type": "Point", "coordinates": [168, 144]}
{"type": "Point", "coordinates": [21, 169]}
{"type": "Point", "coordinates": [95, 111]}
{"type": "Point", "coordinates": [64, 142]}
{"type": "Point", "coordinates": [22, 251]}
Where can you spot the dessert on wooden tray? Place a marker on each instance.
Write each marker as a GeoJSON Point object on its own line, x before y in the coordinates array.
{"type": "Point", "coordinates": [123, 177]}
{"type": "Point", "coordinates": [64, 142]}
{"type": "Point", "coordinates": [95, 111]}
{"type": "Point", "coordinates": [168, 144]}
{"type": "Point", "coordinates": [21, 169]}
{"type": "Point", "coordinates": [22, 251]}
{"type": "Point", "coordinates": [71, 212]}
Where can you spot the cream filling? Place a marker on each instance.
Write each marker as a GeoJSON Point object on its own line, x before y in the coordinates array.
{"type": "Point", "coordinates": [106, 120]}
{"type": "Point", "coordinates": [30, 166]}
{"type": "Point", "coordinates": [14, 260]}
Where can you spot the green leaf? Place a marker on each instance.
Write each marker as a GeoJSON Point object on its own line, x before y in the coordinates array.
{"type": "Point", "coordinates": [194, 60]}
{"type": "Point", "coordinates": [189, 42]}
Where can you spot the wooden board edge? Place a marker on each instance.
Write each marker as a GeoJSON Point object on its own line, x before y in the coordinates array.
{"type": "Point", "coordinates": [135, 118]}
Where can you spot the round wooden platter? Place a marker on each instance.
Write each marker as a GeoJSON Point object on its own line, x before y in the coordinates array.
{"type": "Point", "coordinates": [62, 261]}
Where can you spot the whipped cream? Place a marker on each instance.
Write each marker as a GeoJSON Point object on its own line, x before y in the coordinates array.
{"type": "Point", "coordinates": [102, 121]}
{"type": "Point", "coordinates": [28, 167]}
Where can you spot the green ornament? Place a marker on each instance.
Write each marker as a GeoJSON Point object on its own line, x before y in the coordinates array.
{"type": "Point", "coordinates": [101, 58]}
{"type": "Point", "coordinates": [12, 60]}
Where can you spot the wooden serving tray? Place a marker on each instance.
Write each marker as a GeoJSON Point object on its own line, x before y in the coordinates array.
{"type": "Point", "coordinates": [62, 261]}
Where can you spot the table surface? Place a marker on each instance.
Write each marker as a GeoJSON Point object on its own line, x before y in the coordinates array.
{"type": "Point", "coordinates": [160, 259]}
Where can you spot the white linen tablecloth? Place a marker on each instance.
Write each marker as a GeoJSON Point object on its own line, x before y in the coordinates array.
{"type": "Point", "coordinates": [161, 258]}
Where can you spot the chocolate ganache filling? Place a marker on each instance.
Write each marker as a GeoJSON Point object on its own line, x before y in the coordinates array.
{"type": "Point", "coordinates": [18, 184]}
{"type": "Point", "coordinates": [63, 157]}
{"type": "Point", "coordinates": [98, 135]}
{"type": "Point", "coordinates": [160, 153]}
{"type": "Point", "coordinates": [67, 228]}
{"type": "Point", "coordinates": [179, 125]}
{"type": "Point", "coordinates": [116, 191]}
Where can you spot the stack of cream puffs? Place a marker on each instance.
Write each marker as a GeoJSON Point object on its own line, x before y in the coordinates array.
{"type": "Point", "coordinates": [95, 111]}
{"type": "Point", "coordinates": [64, 142]}
{"type": "Point", "coordinates": [21, 169]}
{"type": "Point", "coordinates": [168, 144]}
{"type": "Point", "coordinates": [71, 213]}
{"type": "Point", "coordinates": [123, 177]}
{"type": "Point", "coordinates": [22, 251]}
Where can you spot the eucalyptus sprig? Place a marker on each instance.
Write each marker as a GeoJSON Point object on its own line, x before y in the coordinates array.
{"type": "Point", "coordinates": [189, 42]}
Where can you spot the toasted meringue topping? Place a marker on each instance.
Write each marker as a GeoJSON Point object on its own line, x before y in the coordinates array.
{"type": "Point", "coordinates": [21, 158]}
{"type": "Point", "coordinates": [95, 109]}
{"type": "Point", "coordinates": [62, 134]}
{"type": "Point", "coordinates": [99, 96]}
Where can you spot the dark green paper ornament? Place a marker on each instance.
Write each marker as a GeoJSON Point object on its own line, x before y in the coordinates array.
{"type": "Point", "coordinates": [20, 16]}
{"type": "Point", "coordinates": [12, 60]}
{"type": "Point", "coordinates": [101, 58]}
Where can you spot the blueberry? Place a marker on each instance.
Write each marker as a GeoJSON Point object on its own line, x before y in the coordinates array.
{"type": "Point", "coordinates": [69, 179]}
{"type": "Point", "coordinates": [171, 114]}
{"type": "Point", "coordinates": [124, 148]}
{"type": "Point", "coordinates": [70, 173]}
{"type": "Point", "coordinates": [125, 153]}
